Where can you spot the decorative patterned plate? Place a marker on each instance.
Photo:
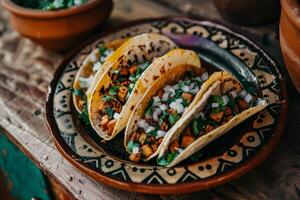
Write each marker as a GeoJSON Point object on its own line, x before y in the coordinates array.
{"type": "Point", "coordinates": [227, 158]}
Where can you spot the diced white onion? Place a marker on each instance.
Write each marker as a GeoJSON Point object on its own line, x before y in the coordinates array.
{"type": "Point", "coordinates": [185, 88]}
{"type": "Point", "coordinates": [167, 88]}
{"type": "Point", "coordinates": [108, 52]}
{"type": "Point", "coordinates": [85, 82]}
{"type": "Point", "coordinates": [149, 129]}
{"type": "Point", "coordinates": [195, 90]}
{"type": "Point", "coordinates": [233, 94]}
{"type": "Point", "coordinates": [142, 124]}
{"type": "Point", "coordinates": [192, 85]}
{"type": "Point", "coordinates": [155, 116]}
{"type": "Point", "coordinates": [116, 115]}
{"type": "Point", "coordinates": [156, 103]}
{"type": "Point", "coordinates": [243, 94]}
{"type": "Point", "coordinates": [172, 92]}
{"type": "Point", "coordinates": [160, 134]}
{"type": "Point", "coordinates": [177, 106]}
{"type": "Point", "coordinates": [135, 150]}
{"type": "Point", "coordinates": [163, 107]}
{"type": "Point", "coordinates": [97, 66]}
{"type": "Point", "coordinates": [248, 98]}
{"type": "Point", "coordinates": [180, 150]}
{"type": "Point", "coordinates": [198, 79]}
{"type": "Point", "coordinates": [204, 76]}
{"type": "Point", "coordinates": [165, 97]}
{"type": "Point", "coordinates": [214, 105]}
{"type": "Point", "coordinates": [93, 58]}
{"type": "Point", "coordinates": [225, 99]}
{"type": "Point", "coordinates": [175, 87]}
{"type": "Point", "coordinates": [156, 98]}
{"type": "Point", "coordinates": [179, 100]}
{"type": "Point", "coordinates": [158, 110]}
{"type": "Point", "coordinates": [187, 82]}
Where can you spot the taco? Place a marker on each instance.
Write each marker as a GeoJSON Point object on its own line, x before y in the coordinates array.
{"type": "Point", "coordinates": [223, 106]}
{"type": "Point", "coordinates": [170, 97]}
{"type": "Point", "coordinates": [90, 66]}
{"type": "Point", "coordinates": [123, 85]}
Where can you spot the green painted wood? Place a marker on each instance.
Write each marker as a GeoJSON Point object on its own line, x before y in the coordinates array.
{"type": "Point", "coordinates": [19, 175]}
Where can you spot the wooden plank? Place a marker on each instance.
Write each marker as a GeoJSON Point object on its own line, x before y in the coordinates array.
{"type": "Point", "coordinates": [26, 70]}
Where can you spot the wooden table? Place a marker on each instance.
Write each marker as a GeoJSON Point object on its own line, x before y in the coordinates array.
{"type": "Point", "coordinates": [26, 70]}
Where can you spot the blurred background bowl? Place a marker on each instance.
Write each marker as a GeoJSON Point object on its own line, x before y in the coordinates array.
{"type": "Point", "coordinates": [59, 30]}
{"type": "Point", "coordinates": [249, 12]}
{"type": "Point", "coordinates": [290, 38]}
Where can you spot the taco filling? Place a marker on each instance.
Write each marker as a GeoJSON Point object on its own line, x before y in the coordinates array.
{"type": "Point", "coordinates": [88, 75]}
{"type": "Point", "coordinates": [115, 96]}
{"type": "Point", "coordinates": [165, 108]}
{"type": "Point", "coordinates": [218, 110]}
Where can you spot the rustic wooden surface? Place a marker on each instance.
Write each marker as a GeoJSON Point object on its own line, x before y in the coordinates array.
{"type": "Point", "coordinates": [26, 69]}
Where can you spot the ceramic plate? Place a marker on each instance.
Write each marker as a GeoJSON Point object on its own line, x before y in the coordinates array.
{"type": "Point", "coordinates": [232, 155]}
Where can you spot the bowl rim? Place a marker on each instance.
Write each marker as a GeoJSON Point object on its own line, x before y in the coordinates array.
{"type": "Point", "coordinates": [292, 14]}
{"type": "Point", "coordinates": [37, 13]}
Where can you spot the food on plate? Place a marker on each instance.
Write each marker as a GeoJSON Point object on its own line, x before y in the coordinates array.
{"type": "Point", "coordinates": [136, 66]}
{"type": "Point", "coordinates": [49, 4]}
{"type": "Point", "coordinates": [87, 71]}
{"type": "Point", "coordinates": [225, 104]}
{"type": "Point", "coordinates": [171, 97]}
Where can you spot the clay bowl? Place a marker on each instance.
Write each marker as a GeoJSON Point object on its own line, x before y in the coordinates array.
{"type": "Point", "coordinates": [59, 30]}
{"type": "Point", "coordinates": [290, 38]}
{"type": "Point", "coordinates": [247, 12]}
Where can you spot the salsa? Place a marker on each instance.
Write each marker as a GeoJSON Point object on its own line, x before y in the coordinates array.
{"type": "Point", "coordinates": [49, 4]}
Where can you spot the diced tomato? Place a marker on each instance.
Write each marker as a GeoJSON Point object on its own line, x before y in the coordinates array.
{"type": "Point", "coordinates": [124, 72]}
{"type": "Point", "coordinates": [133, 69]}
{"type": "Point", "coordinates": [216, 116]}
{"type": "Point", "coordinates": [187, 96]}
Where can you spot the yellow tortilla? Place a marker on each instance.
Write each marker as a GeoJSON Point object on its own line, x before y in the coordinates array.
{"type": "Point", "coordinates": [138, 49]}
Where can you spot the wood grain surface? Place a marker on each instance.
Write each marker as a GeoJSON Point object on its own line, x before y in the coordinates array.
{"type": "Point", "coordinates": [26, 70]}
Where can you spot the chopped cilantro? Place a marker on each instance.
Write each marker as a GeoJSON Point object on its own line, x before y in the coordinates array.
{"type": "Point", "coordinates": [173, 118]}
{"type": "Point", "coordinates": [110, 112]}
{"type": "Point", "coordinates": [78, 92]}
{"type": "Point", "coordinates": [107, 98]}
{"type": "Point", "coordinates": [113, 90]}
{"type": "Point", "coordinates": [102, 49]}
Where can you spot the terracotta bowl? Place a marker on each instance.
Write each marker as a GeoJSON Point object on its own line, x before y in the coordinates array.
{"type": "Point", "coordinates": [59, 30]}
{"type": "Point", "coordinates": [249, 12]}
{"type": "Point", "coordinates": [290, 38]}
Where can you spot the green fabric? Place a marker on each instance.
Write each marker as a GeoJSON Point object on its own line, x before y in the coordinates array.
{"type": "Point", "coordinates": [23, 179]}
